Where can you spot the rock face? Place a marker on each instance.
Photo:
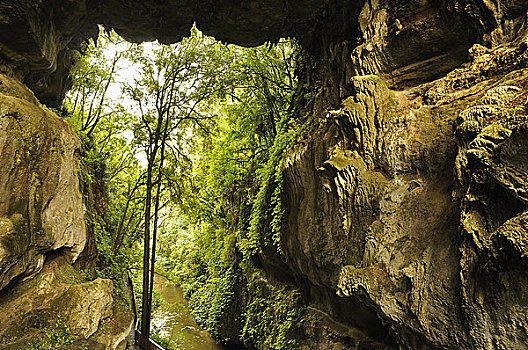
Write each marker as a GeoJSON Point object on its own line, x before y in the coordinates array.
{"type": "Point", "coordinates": [415, 229]}
{"type": "Point", "coordinates": [58, 309]}
{"type": "Point", "coordinates": [43, 299]}
{"type": "Point", "coordinates": [37, 37]}
{"type": "Point", "coordinates": [406, 213]}
{"type": "Point", "coordinates": [409, 42]}
{"type": "Point", "coordinates": [41, 208]}
{"type": "Point", "coordinates": [385, 233]}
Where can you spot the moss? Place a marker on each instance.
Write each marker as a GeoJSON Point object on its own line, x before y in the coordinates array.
{"type": "Point", "coordinates": [67, 274]}
{"type": "Point", "coordinates": [495, 131]}
{"type": "Point", "coordinates": [273, 315]}
{"type": "Point", "coordinates": [42, 327]}
{"type": "Point", "coordinates": [41, 330]}
{"type": "Point", "coordinates": [30, 324]}
{"type": "Point", "coordinates": [376, 79]}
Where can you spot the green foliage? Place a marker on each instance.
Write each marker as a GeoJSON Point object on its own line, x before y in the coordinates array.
{"type": "Point", "coordinates": [58, 337]}
{"type": "Point", "coordinates": [210, 301]}
{"type": "Point", "coordinates": [267, 210]}
{"type": "Point", "coordinates": [165, 343]}
{"type": "Point", "coordinates": [272, 316]}
{"type": "Point", "coordinates": [233, 201]}
{"type": "Point", "coordinates": [93, 74]}
{"type": "Point", "coordinates": [239, 178]}
{"type": "Point", "coordinates": [110, 175]}
{"type": "Point", "coordinates": [109, 172]}
{"type": "Point", "coordinates": [99, 221]}
{"type": "Point", "coordinates": [227, 117]}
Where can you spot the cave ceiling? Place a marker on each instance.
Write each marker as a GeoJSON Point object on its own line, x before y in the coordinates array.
{"type": "Point", "coordinates": [37, 37]}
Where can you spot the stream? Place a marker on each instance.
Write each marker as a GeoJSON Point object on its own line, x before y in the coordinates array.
{"type": "Point", "coordinates": [173, 320]}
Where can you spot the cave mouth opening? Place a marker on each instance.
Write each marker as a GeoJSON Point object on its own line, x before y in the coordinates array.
{"type": "Point", "coordinates": [174, 138]}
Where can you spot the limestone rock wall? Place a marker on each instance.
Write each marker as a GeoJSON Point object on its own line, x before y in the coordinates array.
{"type": "Point", "coordinates": [407, 210]}
{"type": "Point", "coordinates": [43, 299]}
{"type": "Point", "coordinates": [41, 208]}
{"type": "Point", "coordinates": [406, 207]}
{"type": "Point", "coordinates": [59, 309]}
{"type": "Point", "coordinates": [408, 42]}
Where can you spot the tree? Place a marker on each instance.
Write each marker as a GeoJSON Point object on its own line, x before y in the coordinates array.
{"type": "Point", "coordinates": [234, 188]}
{"type": "Point", "coordinates": [198, 133]}
{"type": "Point", "coordinates": [92, 75]}
{"type": "Point", "coordinates": [110, 172]}
{"type": "Point", "coordinates": [173, 83]}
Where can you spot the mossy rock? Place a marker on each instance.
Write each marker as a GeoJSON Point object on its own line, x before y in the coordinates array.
{"type": "Point", "coordinates": [59, 310]}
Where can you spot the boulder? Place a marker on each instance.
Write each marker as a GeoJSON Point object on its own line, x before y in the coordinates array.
{"type": "Point", "coordinates": [59, 308]}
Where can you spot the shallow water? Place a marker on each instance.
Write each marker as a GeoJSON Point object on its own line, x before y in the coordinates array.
{"type": "Point", "coordinates": [174, 321]}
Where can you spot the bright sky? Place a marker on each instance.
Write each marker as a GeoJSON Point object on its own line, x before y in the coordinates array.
{"type": "Point", "coordinates": [126, 71]}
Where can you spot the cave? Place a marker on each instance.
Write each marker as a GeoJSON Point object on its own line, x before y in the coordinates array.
{"type": "Point", "coordinates": [395, 219]}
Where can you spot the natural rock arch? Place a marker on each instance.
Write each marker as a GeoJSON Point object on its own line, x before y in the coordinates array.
{"type": "Point", "coordinates": [410, 41]}
{"type": "Point", "coordinates": [412, 271]}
